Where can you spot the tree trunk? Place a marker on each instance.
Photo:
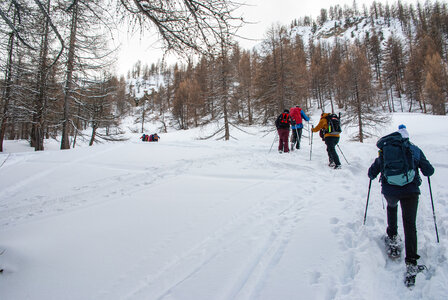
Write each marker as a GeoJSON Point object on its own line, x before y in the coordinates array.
{"type": "Point", "coordinates": [392, 98]}
{"type": "Point", "coordinates": [359, 112]}
{"type": "Point", "coordinates": [92, 138]}
{"type": "Point", "coordinates": [77, 126]}
{"type": "Point", "coordinates": [37, 134]}
{"type": "Point", "coordinates": [143, 115]}
{"type": "Point", "coordinates": [7, 90]}
{"type": "Point", "coordinates": [331, 103]}
{"type": "Point", "coordinates": [249, 107]}
{"type": "Point", "coordinates": [224, 90]}
{"type": "Point", "coordinates": [65, 144]}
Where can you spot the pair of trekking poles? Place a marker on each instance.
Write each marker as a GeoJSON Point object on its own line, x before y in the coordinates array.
{"type": "Point", "coordinates": [276, 137]}
{"type": "Point", "coordinates": [311, 144]}
{"type": "Point", "coordinates": [432, 204]}
{"type": "Point", "coordinates": [311, 147]}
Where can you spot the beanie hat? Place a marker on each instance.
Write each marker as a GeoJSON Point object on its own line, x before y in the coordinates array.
{"type": "Point", "coordinates": [286, 111]}
{"type": "Point", "coordinates": [402, 130]}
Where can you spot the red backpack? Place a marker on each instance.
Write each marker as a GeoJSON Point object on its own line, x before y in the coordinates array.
{"type": "Point", "coordinates": [296, 114]}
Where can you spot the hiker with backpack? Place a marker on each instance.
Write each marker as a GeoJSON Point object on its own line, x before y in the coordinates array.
{"type": "Point", "coordinates": [153, 138]}
{"type": "Point", "coordinates": [282, 124]}
{"type": "Point", "coordinates": [297, 115]}
{"type": "Point", "coordinates": [399, 162]}
{"type": "Point", "coordinates": [150, 138]}
{"type": "Point", "coordinates": [330, 127]}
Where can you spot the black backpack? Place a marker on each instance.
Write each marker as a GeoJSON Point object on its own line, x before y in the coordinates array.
{"type": "Point", "coordinates": [285, 119]}
{"type": "Point", "coordinates": [398, 166]}
{"type": "Point", "coordinates": [334, 124]}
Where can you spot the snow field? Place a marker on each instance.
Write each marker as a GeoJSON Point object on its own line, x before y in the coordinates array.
{"type": "Point", "coordinates": [194, 219]}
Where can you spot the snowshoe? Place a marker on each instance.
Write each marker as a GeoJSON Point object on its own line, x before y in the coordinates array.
{"type": "Point", "coordinates": [393, 246]}
{"type": "Point", "coordinates": [411, 272]}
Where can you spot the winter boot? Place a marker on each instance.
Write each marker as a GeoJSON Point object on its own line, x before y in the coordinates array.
{"type": "Point", "coordinates": [393, 246]}
{"type": "Point", "coordinates": [411, 272]}
{"type": "Point", "coordinates": [412, 269]}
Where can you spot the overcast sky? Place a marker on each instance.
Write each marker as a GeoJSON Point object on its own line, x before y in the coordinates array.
{"type": "Point", "coordinates": [262, 12]}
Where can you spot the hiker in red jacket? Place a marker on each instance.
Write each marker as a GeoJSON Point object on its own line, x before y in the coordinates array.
{"type": "Point", "coordinates": [297, 115]}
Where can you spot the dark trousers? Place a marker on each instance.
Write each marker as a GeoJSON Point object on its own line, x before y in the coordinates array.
{"type": "Point", "coordinates": [296, 137]}
{"type": "Point", "coordinates": [331, 143]}
{"type": "Point", "coordinates": [409, 205]}
{"type": "Point", "coordinates": [283, 136]}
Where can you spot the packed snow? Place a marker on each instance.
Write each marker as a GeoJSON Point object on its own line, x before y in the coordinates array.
{"type": "Point", "coordinates": [187, 218]}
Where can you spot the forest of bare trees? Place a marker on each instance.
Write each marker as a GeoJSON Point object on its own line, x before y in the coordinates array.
{"type": "Point", "coordinates": [56, 60]}
{"type": "Point", "coordinates": [367, 77]}
{"type": "Point", "coordinates": [56, 81]}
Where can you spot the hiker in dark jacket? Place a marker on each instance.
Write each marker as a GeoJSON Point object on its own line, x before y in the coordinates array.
{"type": "Point", "coordinates": [408, 196]}
{"type": "Point", "coordinates": [282, 123]}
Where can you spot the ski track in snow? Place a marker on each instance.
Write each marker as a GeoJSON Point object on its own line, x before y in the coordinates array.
{"type": "Point", "coordinates": [249, 250]}
{"type": "Point", "coordinates": [16, 211]}
{"type": "Point", "coordinates": [281, 220]}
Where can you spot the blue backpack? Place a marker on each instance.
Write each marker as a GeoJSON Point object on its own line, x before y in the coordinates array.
{"type": "Point", "coordinates": [398, 163]}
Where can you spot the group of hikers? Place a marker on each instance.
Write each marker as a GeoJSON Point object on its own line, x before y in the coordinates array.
{"type": "Point", "coordinates": [328, 127]}
{"type": "Point", "coordinates": [398, 162]}
{"type": "Point", "coordinates": [150, 137]}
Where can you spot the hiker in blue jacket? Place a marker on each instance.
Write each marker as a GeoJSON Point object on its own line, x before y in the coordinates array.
{"type": "Point", "coordinates": [297, 116]}
{"type": "Point", "coordinates": [407, 195]}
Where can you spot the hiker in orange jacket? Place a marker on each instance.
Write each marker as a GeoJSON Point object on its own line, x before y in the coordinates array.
{"type": "Point", "coordinates": [331, 140]}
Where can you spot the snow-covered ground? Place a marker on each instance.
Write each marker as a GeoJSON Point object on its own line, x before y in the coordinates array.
{"type": "Point", "coordinates": [204, 219]}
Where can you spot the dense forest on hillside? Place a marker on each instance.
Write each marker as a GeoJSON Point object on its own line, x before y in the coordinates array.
{"type": "Point", "coordinates": [365, 61]}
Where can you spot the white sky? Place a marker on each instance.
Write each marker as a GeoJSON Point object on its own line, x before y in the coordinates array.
{"type": "Point", "coordinates": [262, 12]}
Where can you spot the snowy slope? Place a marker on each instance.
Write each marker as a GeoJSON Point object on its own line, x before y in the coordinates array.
{"type": "Point", "coordinates": [359, 28]}
{"type": "Point", "coordinates": [138, 87]}
{"type": "Point", "coordinates": [192, 219]}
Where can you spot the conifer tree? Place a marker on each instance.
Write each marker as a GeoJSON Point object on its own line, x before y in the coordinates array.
{"type": "Point", "coordinates": [435, 83]}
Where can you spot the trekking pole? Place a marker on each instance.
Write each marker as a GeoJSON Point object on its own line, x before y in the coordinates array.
{"type": "Point", "coordinates": [433, 211]}
{"type": "Point", "coordinates": [343, 154]}
{"type": "Point", "coordinates": [309, 135]}
{"type": "Point", "coordinates": [367, 203]}
{"type": "Point", "coordinates": [275, 138]}
{"type": "Point", "coordinates": [297, 138]}
{"type": "Point", "coordinates": [311, 147]}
